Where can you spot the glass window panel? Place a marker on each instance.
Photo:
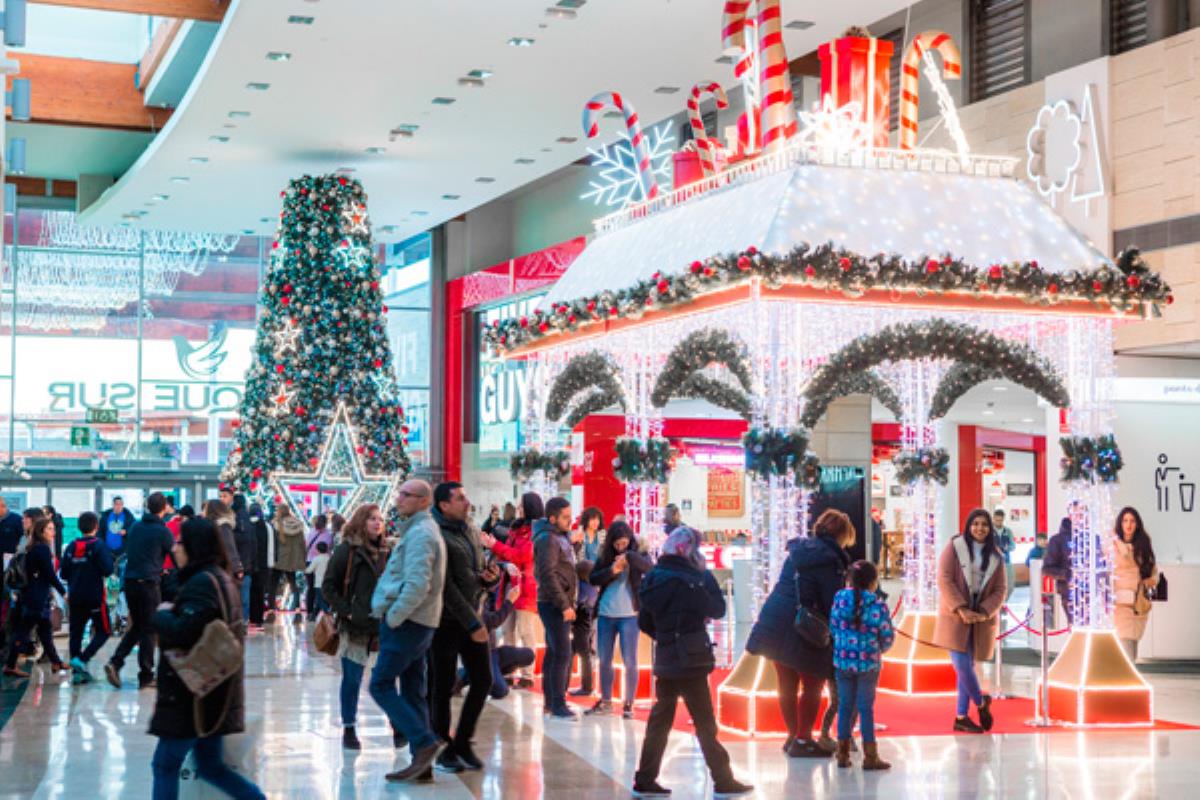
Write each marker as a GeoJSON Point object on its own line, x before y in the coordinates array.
{"type": "Point", "coordinates": [416, 416]}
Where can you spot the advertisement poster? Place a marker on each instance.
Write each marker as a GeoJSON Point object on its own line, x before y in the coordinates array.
{"type": "Point", "coordinates": [726, 492]}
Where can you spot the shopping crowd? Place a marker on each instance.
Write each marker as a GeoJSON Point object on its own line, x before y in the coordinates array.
{"type": "Point", "coordinates": [435, 607]}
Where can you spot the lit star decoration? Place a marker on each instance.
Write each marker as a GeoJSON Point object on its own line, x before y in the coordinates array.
{"type": "Point", "coordinates": [385, 384]}
{"type": "Point", "coordinates": [617, 182]}
{"type": "Point", "coordinates": [836, 128]}
{"type": "Point", "coordinates": [354, 219]}
{"type": "Point", "coordinates": [339, 471]}
{"type": "Point", "coordinates": [287, 338]}
{"type": "Point", "coordinates": [281, 400]}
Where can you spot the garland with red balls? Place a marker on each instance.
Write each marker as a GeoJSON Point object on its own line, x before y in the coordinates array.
{"type": "Point", "coordinates": [1129, 286]}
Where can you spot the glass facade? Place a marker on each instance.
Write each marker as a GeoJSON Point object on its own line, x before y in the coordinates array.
{"type": "Point", "coordinates": [408, 294]}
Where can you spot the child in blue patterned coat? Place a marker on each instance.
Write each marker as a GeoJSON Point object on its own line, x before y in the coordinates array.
{"type": "Point", "coordinates": [862, 632]}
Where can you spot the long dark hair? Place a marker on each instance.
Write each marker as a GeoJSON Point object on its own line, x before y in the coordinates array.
{"type": "Point", "coordinates": [532, 507]}
{"type": "Point", "coordinates": [1143, 551]}
{"type": "Point", "coordinates": [861, 576]}
{"type": "Point", "coordinates": [618, 530]}
{"type": "Point", "coordinates": [203, 545]}
{"type": "Point", "coordinates": [990, 546]}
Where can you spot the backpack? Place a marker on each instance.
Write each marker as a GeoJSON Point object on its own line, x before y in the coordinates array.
{"type": "Point", "coordinates": [15, 578]}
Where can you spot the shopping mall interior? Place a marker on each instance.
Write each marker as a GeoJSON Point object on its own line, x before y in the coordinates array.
{"type": "Point", "coordinates": [823, 304]}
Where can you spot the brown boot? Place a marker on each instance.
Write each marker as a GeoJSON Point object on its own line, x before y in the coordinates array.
{"type": "Point", "coordinates": [871, 759]}
{"type": "Point", "coordinates": [843, 753]}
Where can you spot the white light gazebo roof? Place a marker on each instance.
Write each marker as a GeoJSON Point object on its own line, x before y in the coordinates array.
{"type": "Point", "coordinates": [892, 206]}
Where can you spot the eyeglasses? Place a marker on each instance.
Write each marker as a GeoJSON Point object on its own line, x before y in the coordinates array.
{"type": "Point", "coordinates": [403, 493]}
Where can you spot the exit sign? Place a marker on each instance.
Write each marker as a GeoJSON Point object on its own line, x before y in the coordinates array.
{"type": "Point", "coordinates": [81, 437]}
{"type": "Point", "coordinates": [99, 416]}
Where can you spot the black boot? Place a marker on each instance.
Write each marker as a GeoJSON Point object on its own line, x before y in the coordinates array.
{"type": "Point", "coordinates": [399, 740]}
{"type": "Point", "coordinates": [350, 738]}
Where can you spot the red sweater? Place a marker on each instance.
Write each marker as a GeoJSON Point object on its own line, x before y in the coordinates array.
{"type": "Point", "coordinates": [518, 550]}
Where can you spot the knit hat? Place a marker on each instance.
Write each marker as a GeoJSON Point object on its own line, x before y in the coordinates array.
{"type": "Point", "coordinates": [684, 542]}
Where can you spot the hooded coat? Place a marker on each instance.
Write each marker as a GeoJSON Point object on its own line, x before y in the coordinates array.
{"type": "Point", "coordinates": [226, 524]}
{"type": "Point", "coordinates": [815, 571]}
{"type": "Point", "coordinates": [290, 548]}
{"type": "Point", "coordinates": [518, 551]}
{"type": "Point", "coordinates": [676, 602]}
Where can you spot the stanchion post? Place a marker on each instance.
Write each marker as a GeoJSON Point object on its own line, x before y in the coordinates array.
{"type": "Point", "coordinates": [998, 690]}
{"type": "Point", "coordinates": [1042, 720]}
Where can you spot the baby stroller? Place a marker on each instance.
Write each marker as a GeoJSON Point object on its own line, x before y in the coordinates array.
{"type": "Point", "coordinates": [118, 611]}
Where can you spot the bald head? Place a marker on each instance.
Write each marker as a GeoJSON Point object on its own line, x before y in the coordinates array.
{"type": "Point", "coordinates": [414, 496]}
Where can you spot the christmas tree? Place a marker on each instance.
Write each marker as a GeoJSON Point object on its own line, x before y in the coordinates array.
{"type": "Point", "coordinates": [321, 343]}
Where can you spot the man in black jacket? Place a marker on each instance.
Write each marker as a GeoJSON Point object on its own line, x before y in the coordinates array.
{"type": "Point", "coordinates": [676, 600]}
{"type": "Point", "coordinates": [146, 547]}
{"type": "Point", "coordinates": [1057, 563]}
{"type": "Point", "coordinates": [243, 537]}
{"type": "Point", "coordinates": [85, 564]}
{"type": "Point", "coordinates": [557, 587]}
{"type": "Point", "coordinates": [461, 633]}
{"type": "Point", "coordinates": [260, 573]}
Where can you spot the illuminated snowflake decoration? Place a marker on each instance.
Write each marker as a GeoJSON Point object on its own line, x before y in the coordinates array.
{"type": "Point", "coordinates": [385, 384]}
{"type": "Point", "coordinates": [835, 128]}
{"type": "Point", "coordinates": [617, 183]}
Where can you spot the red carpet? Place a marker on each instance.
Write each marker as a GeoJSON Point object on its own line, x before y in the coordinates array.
{"type": "Point", "coordinates": [904, 716]}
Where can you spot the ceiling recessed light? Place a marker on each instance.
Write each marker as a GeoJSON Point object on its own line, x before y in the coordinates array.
{"type": "Point", "coordinates": [999, 388]}
{"type": "Point", "coordinates": [485, 180]}
{"type": "Point", "coordinates": [666, 90]}
{"type": "Point", "coordinates": [443, 101]}
{"type": "Point", "coordinates": [264, 219]}
{"type": "Point", "coordinates": [450, 196]}
{"type": "Point", "coordinates": [344, 170]}
{"type": "Point", "coordinates": [567, 139]}
{"type": "Point", "coordinates": [180, 179]}
{"type": "Point", "coordinates": [725, 60]}
{"type": "Point", "coordinates": [987, 412]}
{"type": "Point", "coordinates": [198, 159]}
{"type": "Point", "coordinates": [221, 139]}
{"type": "Point", "coordinates": [247, 231]}
{"type": "Point", "coordinates": [561, 13]}
{"type": "Point", "coordinates": [474, 83]}
{"type": "Point", "coordinates": [277, 56]}
{"type": "Point", "coordinates": [405, 131]}
{"type": "Point", "coordinates": [258, 87]}
{"type": "Point", "coordinates": [1027, 419]}
{"type": "Point", "coordinates": [799, 25]}
{"type": "Point", "coordinates": [229, 126]}
{"type": "Point", "coordinates": [420, 213]}
{"type": "Point", "coordinates": [158, 198]}
{"type": "Point", "coordinates": [130, 215]}
{"type": "Point", "coordinates": [523, 161]}
{"type": "Point", "coordinates": [482, 74]}
{"type": "Point", "coordinates": [238, 114]}
{"type": "Point", "coordinates": [547, 149]}
{"type": "Point", "coordinates": [299, 19]}
{"type": "Point", "coordinates": [571, 3]}
{"type": "Point", "coordinates": [520, 41]}
{"type": "Point", "coordinates": [376, 150]}
{"type": "Point", "coordinates": [388, 228]}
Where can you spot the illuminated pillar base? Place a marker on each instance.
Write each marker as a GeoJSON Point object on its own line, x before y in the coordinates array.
{"type": "Point", "coordinates": [748, 699]}
{"type": "Point", "coordinates": [645, 687]}
{"type": "Point", "coordinates": [1093, 683]}
{"type": "Point", "coordinates": [913, 668]}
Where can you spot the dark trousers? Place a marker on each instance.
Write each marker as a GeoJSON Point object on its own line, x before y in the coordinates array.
{"type": "Point", "coordinates": [556, 664]}
{"type": "Point", "coordinates": [29, 623]}
{"type": "Point", "coordinates": [582, 630]}
{"type": "Point", "coordinates": [142, 598]}
{"type": "Point", "coordinates": [694, 692]}
{"type": "Point", "coordinates": [402, 661]}
{"type": "Point", "coordinates": [80, 615]}
{"type": "Point", "coordinates": [258, 590]}
{"type": "Point", "coordinates": [801, 715]}
{"type": "Point", "coordinates": [450, 643]}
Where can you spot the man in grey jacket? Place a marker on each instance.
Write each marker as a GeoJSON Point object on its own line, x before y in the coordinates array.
{"type": "Point", "coordinates": [408, 601]}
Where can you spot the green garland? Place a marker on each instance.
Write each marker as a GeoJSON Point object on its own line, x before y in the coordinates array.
{"type": "Point", "coordinates": [527, 463]}
{"type": "Point", "coordinates": [939, 338]}
{"type": "Point", "coordinates": [1091, 460]}
{"type": "Point", "coordinates": [642, 460]}
{"type": "Point", "coordinates": [1131, 286]}
{"type": "Point", "coordinates": [592, 370]}
{"type": "Point", "coordinates": [695, 353]}
{"type": "Point", "coordinates": [928, 463]}
{"type": "Point", "coordinates": [775, 451]}
{"type": "Point", "coordinates": [1036, 375]}
{"type": "Point", "coordinates": [863, 382]}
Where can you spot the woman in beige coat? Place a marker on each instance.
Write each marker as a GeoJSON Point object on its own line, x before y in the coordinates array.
{"type": "Point", "coordinates": [290, 552]}
{"type": "Point", "coordinates": [1135, 576]}
{"type": "Point", "coordinates": [971, 590]}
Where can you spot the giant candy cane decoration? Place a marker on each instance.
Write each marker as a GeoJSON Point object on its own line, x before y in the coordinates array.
{"type": "Point", "coordinates": [636, 138]}
{"type": "Point", "coordinates": [778, 115]}
{"type": "Point", "coordinates": [910, 78]}
{"type": "Point", "coordinates": [705, 147]}
{"type": "Point", "coordinates": [735, 21]}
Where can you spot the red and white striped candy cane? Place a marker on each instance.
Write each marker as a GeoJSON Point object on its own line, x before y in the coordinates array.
{"type": "Point", "coordinates": [910, 78]}
{"type": "Point", "coordinates": [636, 138]}
{"type": "Point", "coordinates": [738, 26]}
{"type": "Point", "coordinates": [778, 111]}
{"type": "Point", "coordinates": [705, 147]}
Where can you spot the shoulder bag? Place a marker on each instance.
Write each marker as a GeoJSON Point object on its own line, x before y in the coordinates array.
{"type": "Point", "coordinates": [326, 638]}
{"type": "Point", "coordinates": [809, 624]}
{"type": "Point", "coordinates": [1159, 594]}
{"type": "Point", "coordinates": [215, 658]}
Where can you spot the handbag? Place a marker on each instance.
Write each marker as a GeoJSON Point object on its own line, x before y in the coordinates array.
{"type": "Point", "coordinates": [1159, 594]}
{"type": "Point", "coordinates": [1141, 600]}
{"type": "Point", "coordinates": [325, 636]}
{"type": "Point", "coordinates": [810, 625]}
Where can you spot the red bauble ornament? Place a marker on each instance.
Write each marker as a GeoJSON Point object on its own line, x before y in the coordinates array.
{"type": "Point", "coordinates": [495, 324]}
{"type": "Point", "coordinates": [314, 461]}
{"type": "Point", "coordinates": [1097, 286]}
{"type": "Point", "coordinates": [285, 300]}
{"type": "Point", "coordinates": [341, 181]}
{"type": "Point", "coordinates": [312, 428]}
{"type": "Point", "coordinates": [359, 449]}
{"type": "Point", "coordinates": [844, 264]}
{"type": "Point", "coordinates": [696, 267]}
{"type": "Point", "coordinates": [257, 472]}
{"type": "Point", "coordinates": [300, 411]}
{"type": "Point", "coordinates": [235, 424]}
{"type": "Point", "coordinates": [1133, 281]}
{"type": "Point", "coordinates": [708, 272]}
{"type": "Point", "coordinates": [253, 485]}
{"type": "Point", "coordinates": [656, 276]}
{"type": "Point", "coordinates": [810, 271]}
{"type": "Point", "coordinates": [591, 306]}
{"type": "Point", "coordinates": [663, 286]}
{"type": "Point", "coordinates": [932, 266]}
{"type": "Point", "coordinates": [571, 319]}
{"type": "Point", "coordinates": [374, 284]}
{"type": "Point", "coordinates": [752, 250]}
{"type": "Point", "coordinates": [744, 263]}
{"type": "Point", "coordinates": [378, 363]}
{"type": "Point", "coordinates": [274, 245]}
{"type": "Point", "coordinates": [995, 272]}
{"type": "Point", "coordinates": [612, 312]}
{"type": "Point", "coordinates": [279, 368]}
{"type": "Point", "coordinates": [1034, 265]}
{"type": "Point", "coordinates": [1052, 288]}
{"type": "Point", "coordinates": [523, 322]}
{"type": "Point", "coordinates": [543, 327]}
{"type": "Point", "coordinates": [503, 339]}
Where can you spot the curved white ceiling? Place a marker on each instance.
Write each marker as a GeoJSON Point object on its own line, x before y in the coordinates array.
{"type": "Point", "coordinates": [364, 67]}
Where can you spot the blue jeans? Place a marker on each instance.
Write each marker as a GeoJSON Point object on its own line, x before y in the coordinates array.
{"type": "Point", "coordinates": [968, 682]}
{"type": "Point", "coordinates": [352, 675]}
{"type": "Point", "coordinates": [246, 597]}
{"type": "Point", "coordinates": [402, 657]}
{"type": "Point", "coordinates": [168, 759]}
{"type": "Point", "coordinates": [558, 657]}
{"type": "Point", "coordinates": [607, 630]}
{"type": "Point", "coordinates": [856, 692]}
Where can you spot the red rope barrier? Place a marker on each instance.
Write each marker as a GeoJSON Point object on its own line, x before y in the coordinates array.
{"type": "Point", "coordinates": [1024, 624]}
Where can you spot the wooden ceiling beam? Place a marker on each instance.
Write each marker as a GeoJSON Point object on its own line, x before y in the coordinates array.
{"type": "Point", "coordinates": [93, 94]}
{"type": "Point", "coordinates": [203, 10]}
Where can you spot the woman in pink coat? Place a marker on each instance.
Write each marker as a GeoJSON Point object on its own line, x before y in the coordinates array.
{"type": "Point", "coordinates": [523, 624]}
{"type": "Point", "coordinates": [971, 589]}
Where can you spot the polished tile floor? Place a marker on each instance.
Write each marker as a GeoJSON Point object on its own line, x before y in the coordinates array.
{"type": "Point", "coordinates": [58, 741]}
